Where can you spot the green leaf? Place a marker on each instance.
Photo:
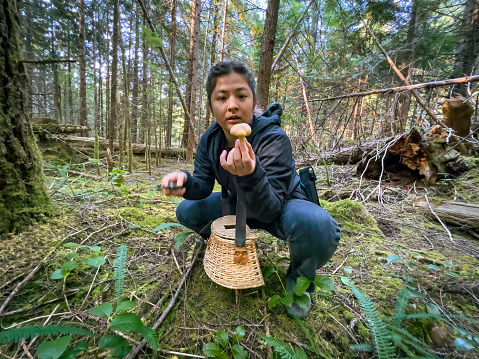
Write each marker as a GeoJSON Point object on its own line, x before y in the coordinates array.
{"type": "Point", "coordinates": [239, 352]}
{"type": "Point", "coordinates": [124, 306]}
{"type": "Point", "coordinates": [239, 334]}
{"type": "Point", "coordinates": [211, 350]}
{"type": "Point", "coordinates": [111, 341]}
{"type": "Point", "coordinates": [433, 267]}
{"type": "Point", "coordinates": [126, 322]}
{"type": "Point", "coordinates": [324, 282]}
{"type": "Point", "coordinates": [287, 299]}
{"type": "Point", "coordinates": [59, 274]}
{"type": "Point", "coordinates": [121, 352]}
{"type": "Point", "coordinates": [299, 353]}
{"type": "Point", "coordinates": [463, 344]}
{"type": "Point", "coordinates": [273, 301]}
{"type": "Point", "coordinates": [303, 301]}
{"type": "Point", "coordinates": [81, 345]}
{"type": "Point", "coordinates": [413, 292]}
{"type": "Point", "coordinates": [70, 354]}
{"type": "Point", "coordinates": [167, 225]}
{"type": "Point", "coordinates": [392, 258]}
{"type": "Point", "coordinates": [180, 238]}
{"type": "Point", "coordinates": [71, 255]}
{"type": "Point", "coordinates": [53, 349]}
{"type": "Point", "coordinates": [362, 348]}
{"type": "Point", "coordinates": [222, 338]}
{"type": "Point", "coordinates": [95, 248]}
{"type": "Point", "coordinates": [70, 244]}
{"type": "Point", "coordinates": [432, 309]}
{"type": "Point", "coordinates": [268, 271]}
{"type": "Point", "coordinates": [223, 355]}
{"type": "Point", "coordinates": [348, 270]}
{"type": "Point", "coordinates": [68, 266]}
{"type": "Point", "coordinates": [96, 261]}
{"type": "Point", "coordinates": [104, 310]}
{"type": "Point", "coordinates": [282, 259]}
{"type": "Point", "coordinates": [302, 283]}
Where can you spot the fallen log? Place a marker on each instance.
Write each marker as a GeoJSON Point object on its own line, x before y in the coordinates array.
{"type": "Point", "coordinates": [137, 148]}
{"type": "Point", "coordinates": [414, 155]}
{"type": "Point", "coordinates": [54, 128]}
{"type": "Point", "coordinates": [463, 214]}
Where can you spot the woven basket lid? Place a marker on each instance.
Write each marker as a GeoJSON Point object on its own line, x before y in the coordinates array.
{"type": "Point", "coordinates": [225, 228]}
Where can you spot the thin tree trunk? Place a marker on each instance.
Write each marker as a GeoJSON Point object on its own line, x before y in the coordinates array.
{"type": "Point", "coordinates": [223, 33]}
{"type": "Point", "coordinates": [213, 56]}
{"type": "Point", "coordinates": [266, 54]}
{"type": "Point", "coordinates": [144, 99]}
{"type": "Point", "coordinates": [114, 76]}
{"type": "Point", "coordinates": [305, 95]}
{"type": "Point", "coordinates": [134, 99]}
{"type": "Point", "coordinates": [82, 61]}
{"type": "Point", "coordinates": [126, 108]}
{"type": "Point", "coordinates": [169, 123]}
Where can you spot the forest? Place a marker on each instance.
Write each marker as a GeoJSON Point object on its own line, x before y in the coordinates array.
{"type": "Point", "coordinates": [99, 100]}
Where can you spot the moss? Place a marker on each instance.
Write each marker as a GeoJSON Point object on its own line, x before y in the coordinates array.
{"type": "Point", "coordinates": [139, 217]}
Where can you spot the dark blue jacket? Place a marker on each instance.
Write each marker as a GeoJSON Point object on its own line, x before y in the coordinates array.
{"type": "Point", "coordinates": [274, 179]}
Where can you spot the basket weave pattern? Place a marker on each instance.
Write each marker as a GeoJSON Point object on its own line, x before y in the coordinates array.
{"type": "Point", "coordinates": [219, 263]}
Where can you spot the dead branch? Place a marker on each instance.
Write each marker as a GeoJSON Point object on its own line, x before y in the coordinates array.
{"type": "Point", "coordinates": [136, 351]}
{"type": "Point", "coordinates": [93, 177]}
{"type": "Point", "coordinates": [48, 61]}
{"type": "Point", "coordinates": [404, 88]}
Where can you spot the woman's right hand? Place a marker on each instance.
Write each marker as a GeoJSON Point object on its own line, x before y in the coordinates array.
{"type": "Point", "coordinates": [172, 184]}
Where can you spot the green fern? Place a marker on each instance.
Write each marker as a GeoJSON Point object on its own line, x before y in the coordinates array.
{"type": "Point", "coordinates": [402, 302]}
{"type": "Point", "coordinates": [120, 272]}
{"type": "Point", "coordinates": [17, 334]}
{"type": "Point", "coordinates": [281, 348]}
{"type": "Point", "coordinates": [381, 336]}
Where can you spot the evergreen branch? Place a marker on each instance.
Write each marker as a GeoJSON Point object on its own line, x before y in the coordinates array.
{"type": "Point", "coordinates": [120, 272]}
{"type": "Point", "coordinates": [17, 334]}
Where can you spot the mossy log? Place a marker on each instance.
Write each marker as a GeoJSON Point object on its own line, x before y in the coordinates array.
{"type": "Point", "coordinates": [137, 148]}
{"type": "Point", "coordinates": [55, 128]}
{"type": "Point", "coordinates": [458, 213]}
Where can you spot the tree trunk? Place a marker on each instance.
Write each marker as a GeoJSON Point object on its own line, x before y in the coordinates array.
{"type": "Point", "coordinates": [22, 192]}
{"type": "Point", "coordinates": [223, 34]}
{"type": "Point", "coordinates": [266, 55]}
{"type": "Point", "coordinates": [82, 61]}
{"type": "Point", "coordinates": [113, 120]}
{"type": "Point", "coordinates": [213, 57]}
{"type": "Point", "coordinates": [193, 73]}
{"type": "Point", "coordinates": [134, 98]}
{"type": "Point", "coordinates": [144, 98]}
{"type": "Point", "coordinates": [169, 123]}
{"type": "Point", "coordinates": [468, 46]}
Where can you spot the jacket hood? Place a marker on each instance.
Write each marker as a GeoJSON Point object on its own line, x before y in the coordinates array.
{"type": "Point", "coordinates": [271, 117]}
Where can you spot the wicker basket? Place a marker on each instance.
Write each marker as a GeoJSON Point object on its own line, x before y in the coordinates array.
{"type": "Point", "coordinates": [219, 263]}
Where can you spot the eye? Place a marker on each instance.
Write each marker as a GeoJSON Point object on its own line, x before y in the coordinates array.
{"type": "Point", "coordinates": [221, 98]}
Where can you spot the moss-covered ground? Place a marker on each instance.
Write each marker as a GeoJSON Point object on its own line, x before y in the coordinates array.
{"type": "Point", "coordinates": [387, 242]}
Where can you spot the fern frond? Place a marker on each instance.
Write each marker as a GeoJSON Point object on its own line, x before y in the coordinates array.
{"type": "Point", "coordinates": [381, 336]}
{"type": "Point", "coordinates": [17, 334]}
{"type": "Point", "coordinates": [281, 348]}
{"type": "Point", "coordinates": [440, 317]}
{"type": "Point", "coordinates": [400, 312]}
{"type": "Point", "coordinates": [414, 342]}
{"type": "Point", "coordinates": [308, 335]}
{"type": "Point", "coordinates": [120, 272]}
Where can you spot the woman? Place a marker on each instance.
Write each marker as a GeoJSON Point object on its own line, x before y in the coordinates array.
{"type": "Point", "coordinates": [259, 170]}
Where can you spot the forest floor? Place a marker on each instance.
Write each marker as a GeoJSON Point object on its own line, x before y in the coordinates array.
{"type": "Point", "coordinates": [388, 243]}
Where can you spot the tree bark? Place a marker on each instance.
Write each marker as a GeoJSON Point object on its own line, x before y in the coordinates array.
{"type": "Point", "coordinates": [22, 192]}
{"type": "Point", "coordinates": [467, 49]}
{"type": "Point", "coordinates": [113, 120]}
{"type": "Point", "coordinates": [213, 57]}
{"type": "Point", "coordinates": [223, 33]}
{"type": "Point", "coordinates": [169, 123]}
{"type": "Point", "coordinates": [266, 55]}
{"type": "Point", "coordinates": [82, 54]}
{"type": "Point", "coordinates": [134, 98]}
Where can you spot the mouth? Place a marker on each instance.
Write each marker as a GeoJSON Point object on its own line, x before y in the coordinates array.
{"type": "Point", "coordinates": [234, 118]}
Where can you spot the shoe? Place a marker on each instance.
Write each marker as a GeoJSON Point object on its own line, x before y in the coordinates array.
{"type": "Point", "coordinates": [296, 311]}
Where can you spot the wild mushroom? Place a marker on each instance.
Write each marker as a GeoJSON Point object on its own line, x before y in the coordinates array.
{"type": "Point", "coordinates": [240, 130]}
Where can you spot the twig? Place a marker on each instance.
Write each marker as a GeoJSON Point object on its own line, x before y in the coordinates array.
{"type": "Point", "coordinates": [176, 262]}
{"type": "Point", "coordinates": [439, 219]}
{"type": "Point", "coordinates": [33, 319]}
{"type": "Point", "coordinates": [427, 239]}
{"type": "Point", "coordinates": [100, 230]}
{"type": "Point", "coordinates": [44, 323]}
{"type": "Point", "coordinates": [182, 354]}
{"type": "Point", "coordinates": [346, 329]}
{"type": "Point", "coordinates": [19, 286]}
{"type": "Point", "coordinates": [136, 351]}
{"type": "Point", "coordinates": [345, 259]}
{"type": "Point", "coordinates": [25, 349]}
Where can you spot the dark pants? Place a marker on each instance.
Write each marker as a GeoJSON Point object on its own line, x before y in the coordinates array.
{"type": "Point", "coordinates": [311, 232]}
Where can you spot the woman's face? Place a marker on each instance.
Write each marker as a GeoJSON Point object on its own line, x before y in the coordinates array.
{"type": "Point", "coordinates": [232, 102]}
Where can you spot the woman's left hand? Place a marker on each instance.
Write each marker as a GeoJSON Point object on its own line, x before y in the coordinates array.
{"type": "Point", "coordinates": [241, 160]}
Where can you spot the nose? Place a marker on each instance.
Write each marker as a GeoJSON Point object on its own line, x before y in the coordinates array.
{"type": "Point", "coordinates": [232, 104]}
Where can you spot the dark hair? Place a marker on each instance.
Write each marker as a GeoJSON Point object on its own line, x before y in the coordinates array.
{"type": "Point", "coordinates": [225, 68]}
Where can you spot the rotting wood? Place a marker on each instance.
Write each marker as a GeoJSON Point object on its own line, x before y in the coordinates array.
{"type": "Point", "coordinates": [404, 88]}
{"type": "Point", "coordinates": [87, 175]}
{"type": "Point", "coordinates": [414, 155]}
{"type": "Point", "coordinates": [462, 214]}
{"type": "Point", "coordinates": [53, 128]}
{"type": "Point", "coordinates": [137, 148]}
